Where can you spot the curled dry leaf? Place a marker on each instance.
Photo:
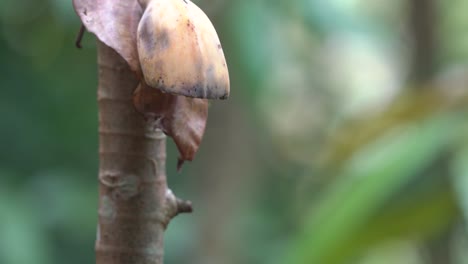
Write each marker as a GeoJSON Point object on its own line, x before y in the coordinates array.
{"type": "Point", "coordinates": [176, 48]}
{"type": "Point", "coordinates": [179, 50]}
{"type": "Point", "coordinates": [180, 117]}
{"type": "Point", "coordinates": [115, 23]}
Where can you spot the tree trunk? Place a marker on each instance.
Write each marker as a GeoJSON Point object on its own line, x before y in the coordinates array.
{"type": "Point", "coordinates": [422, 18]}
{"type": "Point", "coordinates": [135, 205]}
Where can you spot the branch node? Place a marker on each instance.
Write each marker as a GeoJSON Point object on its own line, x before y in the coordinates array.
{"type": "Point", "coordinates": [184, 206]}
{"type": "Point", "coordinates": [175, 206]}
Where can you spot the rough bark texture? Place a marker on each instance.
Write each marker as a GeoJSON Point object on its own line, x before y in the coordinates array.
{"type": "Point", "coordinates": [135, 205]}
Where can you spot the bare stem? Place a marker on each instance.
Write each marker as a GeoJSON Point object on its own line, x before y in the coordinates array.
{"type": "Point", "coordinates": [135, 205]}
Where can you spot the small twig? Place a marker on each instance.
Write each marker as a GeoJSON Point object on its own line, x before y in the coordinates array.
{"type": "Point", "coordinates": [79, 37]}
{"type": "Point", "coordinates": [174, 206]}
{"type": "Point", "coordinates": [184, 206]}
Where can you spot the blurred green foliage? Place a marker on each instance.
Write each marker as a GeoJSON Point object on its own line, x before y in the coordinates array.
{"type": "Point", "coordinates": [325, 153]}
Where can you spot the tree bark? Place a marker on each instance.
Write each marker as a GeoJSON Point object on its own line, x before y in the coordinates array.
{"type": "Point", "coordinates": [135, 205]}
{"type": "Point", "coordinates": [422, 18]}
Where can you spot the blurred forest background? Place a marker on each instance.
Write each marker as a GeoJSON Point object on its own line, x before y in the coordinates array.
{"type": "Point", "coordinates": [345, 139]}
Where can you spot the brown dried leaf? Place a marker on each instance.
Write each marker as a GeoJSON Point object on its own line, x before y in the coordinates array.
{"type": "Point", "coordinates": [180, 117]}
{"type": "Point", "coordinates": [114, 22]}
{"type": "Point", "coordinates": [180, 51]}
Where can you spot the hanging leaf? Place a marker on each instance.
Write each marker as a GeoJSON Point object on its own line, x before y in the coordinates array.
{"type": "Point", "coordinates": [180, 117]}
{"type": "Point", "coordinates": [115, 23]}
{"type": "Point", "coordinates": [180, 51]}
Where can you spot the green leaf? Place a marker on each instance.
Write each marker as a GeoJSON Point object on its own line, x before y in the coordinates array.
{"type": "Point", "coordinates": [369, 180]}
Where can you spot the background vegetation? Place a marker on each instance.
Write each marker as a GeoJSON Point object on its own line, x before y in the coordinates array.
{"type": "Point", "coordinates": [345, 139]}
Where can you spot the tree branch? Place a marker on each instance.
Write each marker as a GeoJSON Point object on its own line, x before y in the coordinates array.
{"type": "Point", "coordinates": [135, 205]}
{"type": "Point", "coordinates": [422, 18]}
